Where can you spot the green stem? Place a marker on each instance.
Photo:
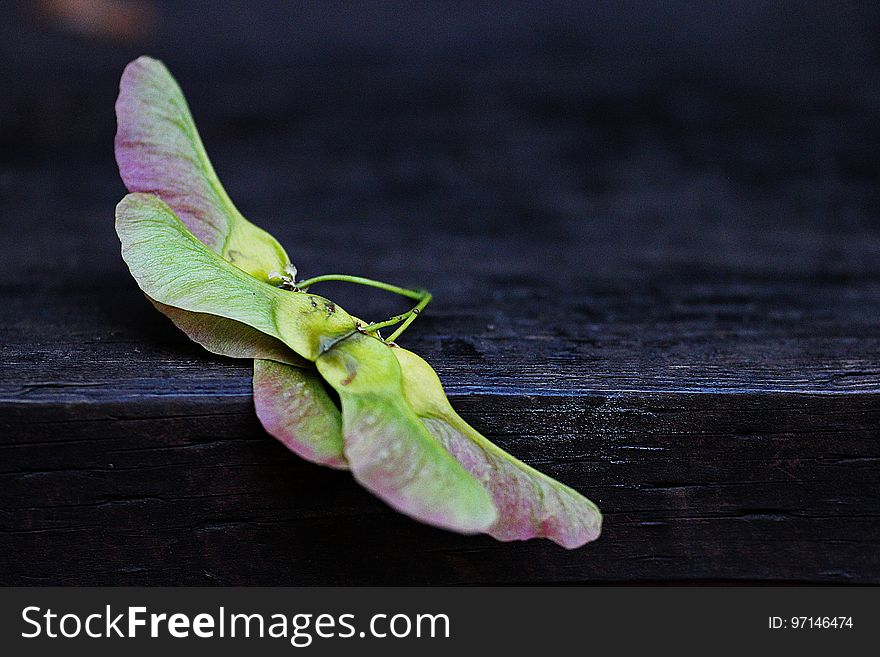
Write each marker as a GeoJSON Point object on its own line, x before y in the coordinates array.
{"type": "Point", "coordinates": [415, 312]}
{"type": "Point", "coordinates": [359, 280]}
{"type": "Point", "coordinates": [423, 296]}
{"type": "Point", "coordinates": [391, 321]}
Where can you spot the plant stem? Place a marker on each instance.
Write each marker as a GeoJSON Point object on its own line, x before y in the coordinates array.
{"type": "Point", "coordinates": [359, 280]}
{"type": "Point", "coordinates": [422, 296]}
{"type": "Point", "coordinates": [391, 321]}
{"type": "Point", "coordinates": [420, 306]}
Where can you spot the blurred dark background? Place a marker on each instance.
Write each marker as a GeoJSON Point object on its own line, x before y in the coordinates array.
{"type": "Point", "coordinates": [687, 135]}
{"type": "Point", "coordinates": [664, 170]}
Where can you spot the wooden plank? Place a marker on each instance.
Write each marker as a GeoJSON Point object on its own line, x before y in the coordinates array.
{"type": "Point", "coordinates": [659, 284]}
{"type": "Point", "coordinates": [129, 456]}
{"type": "Point", "coordinates": [694, 488]}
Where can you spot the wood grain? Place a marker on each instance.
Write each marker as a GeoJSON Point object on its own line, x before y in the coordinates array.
{"type": "Point", "coordinates": [660, 285]}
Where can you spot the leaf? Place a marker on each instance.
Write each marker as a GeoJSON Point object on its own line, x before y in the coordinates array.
{"type": "Point", "coordinates": [293, 405]}
{"type": "Point", "coordinates": [159, 151]}
{"type": "Point", "coordinates": [389, 450]}
{"type": "Point", "coordinates": [530, 504]}
{"type": "Point", "coordinates": [228, 337]}
{"type": "Point", "coordinates": [173, 267]}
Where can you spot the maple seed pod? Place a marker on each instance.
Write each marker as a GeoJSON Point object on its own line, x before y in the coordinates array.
{"type": "Point", "coordinates": [231, 287]}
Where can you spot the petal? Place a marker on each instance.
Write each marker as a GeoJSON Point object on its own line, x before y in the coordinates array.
{"type": "Point", "coordinates": [159, 151]}
{"type": "Point", "coordinates": [389, 450]}
{"type": "Point", "coordinates": [293, 406]}
{"type": "Point", "coordinates": [530, 504]}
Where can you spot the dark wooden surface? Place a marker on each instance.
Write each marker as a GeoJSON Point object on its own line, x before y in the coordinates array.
{"type": "Point", "coordinates": [656, 277]}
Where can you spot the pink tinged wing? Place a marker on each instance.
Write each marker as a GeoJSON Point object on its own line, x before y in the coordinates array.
{"type": "Point", "coordinates": [392, 456]}
{"type": "Point", "coordinates": [389, 450]}
{"type": "Point", "coordinates": [159, 151]}
{"type": "Point", "coordinates": [289, 395]}
{"type": "Point", "coordinates": [227, 337]}
{"type": "Point", "coordinates": [530, 504]}
{"type": "Point", "coordinates": [294, 407]}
